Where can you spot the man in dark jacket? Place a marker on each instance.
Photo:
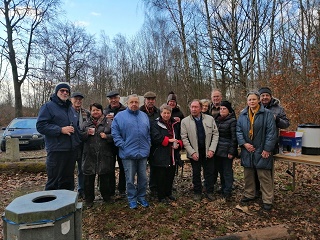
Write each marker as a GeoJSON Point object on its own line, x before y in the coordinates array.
{"type": "Point", "coordinates": [153, 113]}
{"type": "Point", "coordinates": [57, 121]}
{"type": "Point", "coordinates": [274, 106]}
{"type": "Point", "coordinates": [111, 111]}
{"type": "Point", "coordinates": [280, 117]}
{"type": "Point", "coordinates": [83, 114]}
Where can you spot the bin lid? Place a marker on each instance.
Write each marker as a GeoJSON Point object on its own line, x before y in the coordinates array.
{"type": "Point", "coordinates": [41, 206]}
{"type": "Point", "coordinates": [309, 125]}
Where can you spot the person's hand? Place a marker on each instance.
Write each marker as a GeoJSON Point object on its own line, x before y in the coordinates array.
{"type": "Point", "coordinates": [68, 130]}
{"type": "Point", "coordinates": [103, 135]}
{"type": "Point", "coordinates": [110, 116]}
{"type": "Point", "coordinates": [230, 156]}
{"type": "Point", "coordinates": [210, 154]}
{"type": "Point", "coordinates": [175, 143]}
{"type": "Point", "coordinates": [177, 119]}
{"type": "Point", "coordinates": [249, 147]}
{"type": "Point", "coordinates": [265, 154]}
{"type": "Point", "coordinates": [91, 131]}
{"type": "Point", "coordinates": [195, 156]}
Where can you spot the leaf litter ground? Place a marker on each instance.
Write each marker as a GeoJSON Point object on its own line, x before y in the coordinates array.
{"type": "Point", "coordinates": [186, 219]}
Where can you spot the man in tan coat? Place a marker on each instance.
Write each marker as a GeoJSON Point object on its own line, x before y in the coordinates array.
{"type": "Point", "coordinates": [200, 136]}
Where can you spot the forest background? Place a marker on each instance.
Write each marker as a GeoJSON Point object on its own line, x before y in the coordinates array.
{"type": "Point", "coordinates": [189, 47]}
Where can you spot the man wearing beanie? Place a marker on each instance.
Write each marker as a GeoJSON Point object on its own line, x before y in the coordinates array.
{"type": "Point", "coordinates": [273, 104]}
{"type": "Point", "coordinates": [280, 117]}
{"type": "Point", "coordinates": [177, 114]}
{"type": "Point", "coordinates": [58, 122]}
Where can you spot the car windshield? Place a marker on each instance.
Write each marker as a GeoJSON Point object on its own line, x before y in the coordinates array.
{"type": "Point", "coordinates": [23, 123]}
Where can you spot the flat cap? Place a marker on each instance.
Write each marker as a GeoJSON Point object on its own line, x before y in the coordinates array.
{"type": "Point", "coordinates": [149, 95]}
{"type": "Point", "coordinates": [112, 93]}
{"type": "Point", "coordinates": [77, 94]}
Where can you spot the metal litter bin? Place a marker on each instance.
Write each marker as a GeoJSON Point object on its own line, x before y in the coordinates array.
{"type": "Point", "coordinates": [43, 215]}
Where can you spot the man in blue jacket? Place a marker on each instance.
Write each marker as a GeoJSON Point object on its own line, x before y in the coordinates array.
{"type": "Point", "coordinates": [130, 130]}
{"type": "Point", "coordinates": [58, 122]}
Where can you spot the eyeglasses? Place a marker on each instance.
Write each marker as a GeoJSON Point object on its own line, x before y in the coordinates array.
{"type": "Point", "coordinates": [64, 90]}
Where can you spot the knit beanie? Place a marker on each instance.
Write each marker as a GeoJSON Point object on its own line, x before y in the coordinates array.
{"type": "Point", "coordinates": [171, 96]}
{"type": "Point", "coordinates": [227, 104]}
{"type": "Point", "coordinates": [265, 90]}
{"type": "Point", "coordinates": [62, 85]}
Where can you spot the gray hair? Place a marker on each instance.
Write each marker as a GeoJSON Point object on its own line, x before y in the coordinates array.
{"type": "Point", "coordinates": [132, 96]}
{"type": "Point", "coordinates": [204, 101]}
{"type": "Point", "coordinates": [254, 93]}
{"type": "Point", "coordinates": [165, 107]}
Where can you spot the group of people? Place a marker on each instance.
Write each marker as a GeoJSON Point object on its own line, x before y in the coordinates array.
{"type": "Point", "coordinates": [134, 136]}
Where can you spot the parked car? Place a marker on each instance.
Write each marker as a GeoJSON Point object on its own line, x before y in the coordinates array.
{"type": "Point", "coordinates": [23, 128]}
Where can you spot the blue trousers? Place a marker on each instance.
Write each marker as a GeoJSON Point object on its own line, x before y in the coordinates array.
{"type": "Point", "coordinates": [133, 167]}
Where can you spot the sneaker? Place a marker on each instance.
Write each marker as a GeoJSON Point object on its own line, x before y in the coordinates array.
{"type": "Point", "coordinates": [197, 197]}
{"type": "Point", "coordinates": [143, 203]}
{"type": "Point", "coordinates": [133, 205]}
{"type": "Point", "coordinates": [267, 206]}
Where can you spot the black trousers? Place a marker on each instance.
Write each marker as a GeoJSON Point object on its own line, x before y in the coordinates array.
{"type": "Point", "coordinates": [104, 186]}
{"type": "Point", "coordinates": [60, 170]}
{"type": "Point", "coordinates": [164, 177]}
{"type": "Point", "coordinates": [121, 181]}
{"type": "Point", "coordinates": [208, 169]}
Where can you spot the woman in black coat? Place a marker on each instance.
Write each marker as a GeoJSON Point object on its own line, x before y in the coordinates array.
{"type": "Point", "coordinates": [227, 146]}
{"type": "Point", "coordinates": [98, 154]}
{"type": "Point", "coordinates": [165, 152]}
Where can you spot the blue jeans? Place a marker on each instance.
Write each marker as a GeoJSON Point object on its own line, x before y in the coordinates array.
{"type": "Point", "coordinates": [133, 167]}
{"type": "Point", "coordinates": [79, 167]}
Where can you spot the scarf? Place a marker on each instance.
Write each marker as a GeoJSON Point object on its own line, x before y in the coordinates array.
{"type": "Point", "coordinates": [168, 125]}
{"type": "Point", "coordinates": [96, 122]}
{"type": "Point", "coordinates": [252, 114]}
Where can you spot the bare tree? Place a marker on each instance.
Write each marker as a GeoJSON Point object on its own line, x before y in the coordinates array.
{"type": "Point", "coordinates": [21, 19]}
{"type": "Point", "coordinates": [69, 48]}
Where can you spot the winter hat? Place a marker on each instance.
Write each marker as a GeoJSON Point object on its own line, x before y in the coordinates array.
{"type": "Point", "coordinates": [265, 90]}
{"type": "Point", "coordinates": [62, 85]}
{"type": "Point", "coordinates": [171, 96]}
{"type": "Point", "coordinates": [149, 95]}
{"type": "Point", "coordinates": [227, 104]}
